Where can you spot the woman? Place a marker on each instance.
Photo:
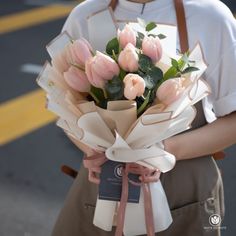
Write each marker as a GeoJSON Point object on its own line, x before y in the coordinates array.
{"type": "Point", "coordinates": [194, 187]}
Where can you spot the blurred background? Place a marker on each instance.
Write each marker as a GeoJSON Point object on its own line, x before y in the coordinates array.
{"type": "Point", "coordinates": [32, 188]}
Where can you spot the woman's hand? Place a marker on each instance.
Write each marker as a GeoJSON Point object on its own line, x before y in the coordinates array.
{"type": "Point", "coordinates": [206, 140]}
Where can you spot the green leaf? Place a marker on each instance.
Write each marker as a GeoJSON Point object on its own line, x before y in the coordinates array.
{"type": "Point", "coordinates": [156, 73]}
{"type": "Point", "coordinates": [190, 69]}
{"type": "Point", "coordinates": [170, 73]}
{"type": "Point", "coordinates": [145, 62]}
{"type": "Point", "coordinates": [112, 45]}
{"type": "Point", "coordinates": [141, 35]}
{"type": "Point", "coordinates": [122, 74]}
{"type": "Point", "coordinates": [175, 70]}
{"type": "Point", "coordinates": [149, 81]}
{"type": "Point", "coordinates": [139, 40]}
{"type": "Point", "coordinates": [152, 35]}
{"type": "Point", "coordinates": [150, 26]}
{"type": "Point", "coordinates": [161, 36]}
{"type": "Point", "coordinates": [152, 77]}
{"type": "Point", "coordinates": [181, 63]}
{"type": "Point", "coordinates": [141, 109]}
{"type": "Point", "coordinates": [115, 88]}
{"type": "Point", "coordinates": [97, 92]}
{"type": "Point", "coordinates": [174, 63]}
{"type": "Point", "coordinates": [185, 58]}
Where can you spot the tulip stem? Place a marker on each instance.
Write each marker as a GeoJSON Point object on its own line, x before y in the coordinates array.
{"type": "Point", "coordinates": [114, 56]}
{"type": "Point", "coordinates": [143, 106]}
{"type": "Point", "coordinates": [105, 93]}
{"type": "Point", "coordinates": [94, 97]}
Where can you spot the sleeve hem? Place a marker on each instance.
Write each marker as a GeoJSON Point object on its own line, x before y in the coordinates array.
{"type": "Point", "coordinates": [225, 105]}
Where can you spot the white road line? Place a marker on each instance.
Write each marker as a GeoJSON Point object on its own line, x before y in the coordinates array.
{"type": "Point", "coordinates": [31, 68]}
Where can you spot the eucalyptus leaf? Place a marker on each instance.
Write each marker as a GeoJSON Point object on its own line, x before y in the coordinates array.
{"type": "Point", "coordinates": [141, 35]}
{"type": "Point", "coordinates": [112, 45]}
{"type": "Point", "coordinates": [145, 62]}
{"type": "Point", "coordinates": [150, 26]}
{"type": "Point", "coordinates": [115, 88]}
{"type": "Point", "coordinates": [139, 42]}
{"type": "Point", "coordinates": [139, 39]}
{"type": "Point", "coordinates": [149, 82]}
{"type": "Point", "coordinates": [152, 77]}
{"type": "Point", "coordinates": [156, 73]}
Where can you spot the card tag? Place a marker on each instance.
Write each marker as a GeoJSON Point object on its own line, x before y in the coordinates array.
{"type": "Point", "coordinates": [110, 186]}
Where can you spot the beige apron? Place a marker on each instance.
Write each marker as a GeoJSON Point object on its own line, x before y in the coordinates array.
{"type": "Point", "coordinates": [193, 188]}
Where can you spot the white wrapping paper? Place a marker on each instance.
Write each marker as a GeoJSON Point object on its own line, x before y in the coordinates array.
{"type": "Point", "coordinates": [117, 131]}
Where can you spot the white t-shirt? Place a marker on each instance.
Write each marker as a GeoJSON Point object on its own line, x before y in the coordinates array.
{"type": "Point", "coordinates": [209, 21]}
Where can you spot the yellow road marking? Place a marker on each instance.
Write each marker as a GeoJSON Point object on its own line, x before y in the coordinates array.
{"type": "Point", "coordinates": [22, 115]}
{"type": "Point", "coordinates": [33, 17]}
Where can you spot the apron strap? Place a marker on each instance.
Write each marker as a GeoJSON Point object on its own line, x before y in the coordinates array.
{"type": "Point", "coordinates": [113, 4]}
{"type": "Point", "coordinates": [182, 26]}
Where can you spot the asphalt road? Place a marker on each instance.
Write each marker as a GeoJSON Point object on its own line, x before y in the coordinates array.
{"type": "Point", "coordinates": [32, 188]}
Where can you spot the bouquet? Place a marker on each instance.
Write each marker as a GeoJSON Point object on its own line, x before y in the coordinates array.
{"type": "Point", "coordinates": [123, 103]}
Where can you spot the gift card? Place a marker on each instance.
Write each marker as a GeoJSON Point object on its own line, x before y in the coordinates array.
{"type": "Point", "coordinates": [110, 187]}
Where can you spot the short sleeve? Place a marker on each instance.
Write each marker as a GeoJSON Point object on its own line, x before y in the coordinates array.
{"type": "Point", "coordinates": [222, 77]}
{"type": "Point", "coordinates": [72, 24]}
{"type": "Point", "coordinates": [76, 23]}
{"type": "Point", "coordinates": [223, 83]}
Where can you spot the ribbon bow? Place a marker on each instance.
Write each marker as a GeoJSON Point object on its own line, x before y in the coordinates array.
{"type": "Point", "coordinates": [94, 163]}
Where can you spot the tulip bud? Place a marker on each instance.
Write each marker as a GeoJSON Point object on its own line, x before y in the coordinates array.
{"type": "Point", "coordinates": [171, 90]}
{"type": "Point", "coordinates": [101, 68]}
{"type": "Point", "coordinates": [77, 80]}
{"type": "Point", "coordinates": [127, 35]}
{"type": "Point", "coordinates": [128, 59]}
{"type": "Point", "coordinates": [81, 51]}
{"type": "Point", "coordinates": [134, 86]}
{"type": "Point", "coordinates": [151, 47]}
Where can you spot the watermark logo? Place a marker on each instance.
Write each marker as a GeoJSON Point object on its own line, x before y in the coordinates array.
{"type": "Point", "coordinates": [118, 171]}
{"type": "Point", "coordinates": [215, 223]}
{"type": "Point", "coordinates": [215, 220]}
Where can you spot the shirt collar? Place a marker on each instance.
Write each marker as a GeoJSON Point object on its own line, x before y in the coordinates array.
{"type": "Point", "coordinates": [138, 7]}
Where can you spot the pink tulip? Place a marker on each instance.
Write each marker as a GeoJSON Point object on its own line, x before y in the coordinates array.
{"type": "Point", "coordinates": [127, 35]}
{"type": "Point", "coordinates": [134, 86]}
{"type": "Point", "coordinates": [151, 47]}
{"type": "Point", "coordinates": [101, 68]}
{"type": "Point", "coordinates": [128, 58]}
{"type": "Point", "coordinates": [170, 90]}
{"type": "Point", "coordinates": [81, 51]}
{"type": "Point", "coordinates": [77, 79]}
